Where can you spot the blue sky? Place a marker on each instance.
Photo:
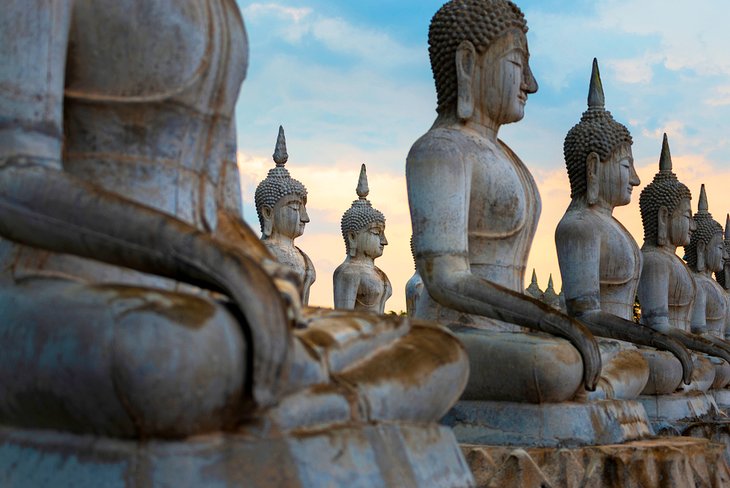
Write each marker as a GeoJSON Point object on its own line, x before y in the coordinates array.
{"type": "Point", "coordinates": [351, 83]}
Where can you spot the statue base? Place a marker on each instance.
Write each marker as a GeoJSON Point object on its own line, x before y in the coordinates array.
{"type": "Point", "coordinates": [666, 462]}
{"type": "Point", "coordinates": [672, 414]}
{"type": "Point", "coordinates": [392, 455]}
{"type": "Point", "coordinates": [568, 424]}
{"type": "Point", "coordinates": [722, 399]}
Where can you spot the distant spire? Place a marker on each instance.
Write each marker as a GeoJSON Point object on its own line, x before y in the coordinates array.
{"type": "Point", "coordinates": [534, 289]}
{"type": "Point", "coordinates": [534, 277]}
{"type": "Point", "coordinates": [362, 184]}
{"type": "Point", "coordinates": [727, 228]}
{"type": "Point", "coordinates": [665, 161]}
{"type": "Point", "coordinates": [550, 283]}
{"type": "Point", "coordinates": [280, 155]}
{"type": "Point", "coordinates": [596, 99]}
{"type": "Point", "coordinates": [703, 207]}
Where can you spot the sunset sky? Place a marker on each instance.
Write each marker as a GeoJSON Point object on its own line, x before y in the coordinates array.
{"type": "Point", "coordinates": [351, 83]}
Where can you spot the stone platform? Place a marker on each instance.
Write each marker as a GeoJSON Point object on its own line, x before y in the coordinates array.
{"type": "Point", "coordinates": [569, 424]}
{"type": "Point", "coordinates": [382, 455]}
{"type": "Point", "coordinates": [671, 414]}
{"type": "Point", "coordinates": [677, 462]}
{"type": "Point", "coordinates": [722, 399]}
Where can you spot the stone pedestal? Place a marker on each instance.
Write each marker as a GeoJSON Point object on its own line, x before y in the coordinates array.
{"type": "Point", "coordinates": [678, 462]}
{"type": "Point", "coordinates": [722, 399]}
{"type": "Point", "coordinates": [567, 424]}
{"type": "Point", "coordinates": [671, 414]}
{"type": "Point", "coordinates": [392, 455]}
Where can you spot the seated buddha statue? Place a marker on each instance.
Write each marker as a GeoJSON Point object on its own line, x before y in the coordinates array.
{"type": "Point", "coordinates": [414, 288]}
{"type": "Point", "coordinates": [281, 205]}
{"type": "Point", "coordinates": [474, 211]}
{"type": "Point", "coordinates": [135, 302]}
{"type": "Point", "coordinates": [705, 254]}
{"type": "Point", "coordinates": [358, 283]}
{"type": "Point", "coordinates": [723, 277]}
{"type": "Point", "coordinates": [600, 262]}
{"type": "Point", "coordinates": [666, 289]}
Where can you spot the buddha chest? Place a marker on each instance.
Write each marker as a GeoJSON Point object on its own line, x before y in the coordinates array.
{"type": "Point", "coordinates": [619, 268]}
{"type": "Point", "coordinates": [715, 304]}
{"type": "Point", "coordinates": [504, 207]}
{"type": "Point", "coordinates": [681, 291]}
{"type": "Point", "coordinates": [373, 291]}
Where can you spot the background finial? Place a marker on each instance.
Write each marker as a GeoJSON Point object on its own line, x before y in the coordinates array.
{"type": "Point", "coordinates": [703, 207]}
{"type": "Point", "coordinates": [596, 98]}
{"type": "Point", "coordinates": [534, 277]}
{"type": "Point", "coordinates": [280, 155]}
{"type": "Point", "coordinates": [550, 282]}
{"type": "Point", "coordinates": [727, 227]}
{"type": "Point", "coordinates": [362, 184]}
{"type": "Point", "coordinates": [665, 161]}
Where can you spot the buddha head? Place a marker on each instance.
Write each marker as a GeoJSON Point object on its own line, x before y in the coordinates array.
{"type": "Point", "coordinates": [363, 227]}
{"type": "Point", "coordinates": [706, 250]}
{"type": "Point", "coordinates": [280, 199]}
{"type": "Point", "coordinates": [598, 153]}
{"type": "Point", "coordinates": [666, 212]}
{"type": "Point", "coordinates": [723, 277]}
{"type": "Point", "coordinates": [480, 60]}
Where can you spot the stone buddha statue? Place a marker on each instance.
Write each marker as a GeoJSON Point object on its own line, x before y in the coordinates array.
{"type": "Point", "coordinates": [358, 283]}
{"type": "Point", "coordinates": [600, 262]}
{"type": "Point", "coordinates": [145, 329]}
{"type": "Point", "coordinates": [705, 254]}
{"type": "Point", "coordinates": [281, 205]}
{"type": "Point", "coordinates": [414, 288]}
{"type": "Point", "coordinates": [723, 277]}
{"type": "Point", "coordinates": [666, 289]}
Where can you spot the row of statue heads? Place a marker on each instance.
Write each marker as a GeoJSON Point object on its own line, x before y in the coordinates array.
{"type": "Point", "coordinates": [281, 207]}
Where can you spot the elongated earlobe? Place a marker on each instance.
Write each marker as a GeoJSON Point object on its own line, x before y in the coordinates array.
{"type": "Point", "coordinates": [701, 264]}
{"type": "Point", "coordinates": [465, 64]}
{"type": "Point", "coordinates": [352, 240]}
{"type": "Point", "coordinates": [592, 183]}
{"type": "Point", "coordinates": [662, 232]}
{"type": "Point", "coordinates": [267, 213]}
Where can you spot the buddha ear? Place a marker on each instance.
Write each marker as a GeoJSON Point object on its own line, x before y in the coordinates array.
{"type": "Point", "coordinates": [352, 243]}
{"type": "Point", "coordinates": [592, 183]}
{"type": "Point", "coordinates": [268, 214]}
{"type": "Point", "coordinates": [701, 248]}
{"type": "Point", "coordinates": [466, 58]}
{"type": "Point", "coordinates": [662, 227]}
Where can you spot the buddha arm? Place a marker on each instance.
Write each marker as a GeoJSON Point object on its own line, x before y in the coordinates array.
{"type": "Point", "coordinates": [579, 256]}
{"type": "Point", "coordinates": [698, 320]}
{"type": "Point", "coordinates": [42, 206]}
{"type": "Point", "coordinates": [345, 285]}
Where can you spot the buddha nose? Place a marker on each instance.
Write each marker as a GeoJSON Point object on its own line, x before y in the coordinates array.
{"type": "Point", "coordinates": [303, 215]}
{"type": "Point", "coordinates": [529, 83]}
{"type": "Point", "coordinates": [383, 239]}
{"type": "Point", "coordinates": [692, 225]}
{"type": "Point", "coordinates": [634, 178]}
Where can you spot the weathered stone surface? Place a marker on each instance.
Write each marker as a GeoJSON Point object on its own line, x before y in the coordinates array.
{"type": "Point", "coordinates": [567, 424]}
{"type": "Point", "coordinates": [679, 462]}
{"type": "Point", "coordinates": [393, 455]}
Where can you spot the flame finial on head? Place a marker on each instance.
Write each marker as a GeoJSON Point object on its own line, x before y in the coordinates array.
{"type": "Point", "coordinates": [665, 160]}
{"type": "Point", "coordinates": [596, 98]}
{"type": "Point", "coordinates": [280, 155]}
{"type": "Point", "coordinates": [534, 277]}
{"type": "Point", "coordinates": [703, 207]}
{"type": "Point", "coordinates": [727, 227]}
{"type": "Point", "coordinates": [362, 184]}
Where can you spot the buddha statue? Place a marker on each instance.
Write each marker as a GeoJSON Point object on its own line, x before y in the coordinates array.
{"type": "Point", "coordinates": [723, 277]}
{"type": "Point", "coordinates": [474, 211]}
{"type": "Point", "coordinates": [147, 334]}
{"type": "Point", "coordinates": [281, 205]}
{"type": "Point", "coordinates": [666, 289]}
{"type": "Point", "coordinates": [705, 254]}
{"type": "Point", "coordinates": [358, 283]}
{"type": "Point", "coordinates": [600, 262]}
{"type": "Point", "coordinates": [414, 288]}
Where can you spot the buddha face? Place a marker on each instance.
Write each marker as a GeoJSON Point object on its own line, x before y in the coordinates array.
{"type": "Point", "coordinates": [681, 224]}
{"type": "Point", "coordinates": [726, 264]}
{"type": "Point", "coordinates": [370, 241]}
{"type": "Point", "coordinates": [715, 254]}
{"type": "Point", "coordinates": [289, 216]}
{"type": "Point", "coordinates": [506, 78]}
{"type": "Point", "coordinates": [617, 177]}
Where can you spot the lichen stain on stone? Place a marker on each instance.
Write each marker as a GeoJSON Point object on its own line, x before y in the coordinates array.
{"type": "Point", "coordinates": [411, 360]}
{"type": "Point", "coordinates": [185, 310]}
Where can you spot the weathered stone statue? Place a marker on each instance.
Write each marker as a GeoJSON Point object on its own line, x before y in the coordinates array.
{"type": "Point", "coordinates": [705, 254]}
{"type": "Point", "coordinates": [600, 262]}
{"type": "Point", "coordinates": [414, 288]}
{"type": "Point", "coordinates": [358, 283]}
{"type": "Point", "coordinates": [281, 204]}
{"type": "Point", "coordinates": [145, 337]}
{"type": "Point", "coordinates": [667, 294]}
{"type": "Point", "coordinates": [723, 277]}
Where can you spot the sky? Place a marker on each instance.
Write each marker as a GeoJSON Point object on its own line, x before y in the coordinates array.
{"type": "Point", "coordinates": [351, 84]}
